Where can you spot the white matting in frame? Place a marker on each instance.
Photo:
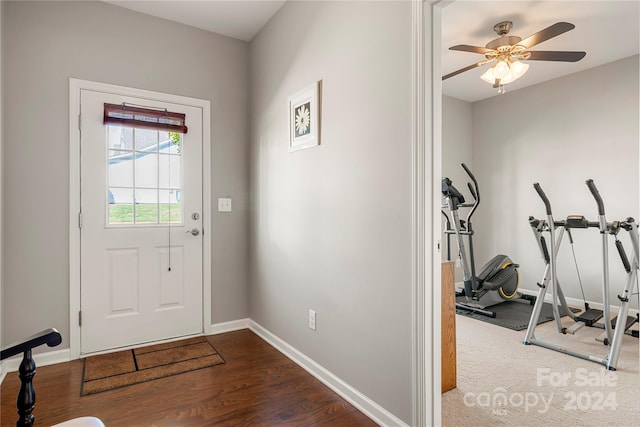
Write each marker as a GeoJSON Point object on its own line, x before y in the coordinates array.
{"type": "Point", "coordinates": [304, 118]}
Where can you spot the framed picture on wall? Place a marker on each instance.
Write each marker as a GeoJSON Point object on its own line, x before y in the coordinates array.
{"type": "Point", "coordinates": [304, 118]}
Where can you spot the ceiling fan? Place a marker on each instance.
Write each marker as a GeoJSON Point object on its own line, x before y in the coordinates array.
{"type": "Point", "coordinates": [507, 52]}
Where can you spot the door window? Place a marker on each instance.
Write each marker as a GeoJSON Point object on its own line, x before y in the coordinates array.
{"type": "Point", "coordinates": [144, 177]}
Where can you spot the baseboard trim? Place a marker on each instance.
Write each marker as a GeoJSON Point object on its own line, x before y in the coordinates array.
{"type": "Point", "coordinates": [233, 325]}
{"type": "Point", "coordinates": [42, 359]}
{"type": "Point", "coordinates": [367, 406]}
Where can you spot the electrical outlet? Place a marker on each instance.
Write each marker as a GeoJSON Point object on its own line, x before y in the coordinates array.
{"type": "Point", "coordinates": [312, 320]}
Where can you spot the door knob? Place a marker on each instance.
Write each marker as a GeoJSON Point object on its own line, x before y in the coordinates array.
{"type": "Point", "coordinates": [193, 231]}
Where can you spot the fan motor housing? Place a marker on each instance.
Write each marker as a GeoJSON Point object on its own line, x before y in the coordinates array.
{"type": "Point", "coordinates": [503, 41]}
{"type": "Point", "coordinates": [502, 29]}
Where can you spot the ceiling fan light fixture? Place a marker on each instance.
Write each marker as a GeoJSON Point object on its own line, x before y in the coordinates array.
{"type": "Point", "coordinates": [518, 69]}
{"type": "Point", "coordinates": [506, 53]}
{"type": "Point", "coordinates": [488, 76]}
{"type": "Point", "coordinates": [501, 69]}
{"type": "Point", "coordinates": [515, 70]}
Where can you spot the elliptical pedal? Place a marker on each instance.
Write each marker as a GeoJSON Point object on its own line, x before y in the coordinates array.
{"type": "Point", "coordinates": [590, 316]}
{"type": "Point", "coordinates": [587, 318]}
{"type": "Point", "coordinates": [630, 322]}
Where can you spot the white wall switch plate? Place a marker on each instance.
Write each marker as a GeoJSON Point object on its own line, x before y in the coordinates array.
{"type": "Point", "coordinates": [312, 320]}
{"type": "Point", "coordinates": [224, 204]}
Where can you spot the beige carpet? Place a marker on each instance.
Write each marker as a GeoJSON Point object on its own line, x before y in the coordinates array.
{"type": "Point", "coordinates": [539, 387]}
{"type": "Point", "coordinates": [127, 367]}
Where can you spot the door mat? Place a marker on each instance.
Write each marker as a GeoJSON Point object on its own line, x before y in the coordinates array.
{"type": "Point", "coordinates": [123, 368]}
{"type": "Point", "coordinates": [514, 315]}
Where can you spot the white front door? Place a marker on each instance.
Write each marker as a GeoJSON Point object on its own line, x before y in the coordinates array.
{"type": "Point", "coordinates": [141, 227]}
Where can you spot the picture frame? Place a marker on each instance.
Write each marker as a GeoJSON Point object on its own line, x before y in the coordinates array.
{"type": "Point", "coordinates": [304, 118]}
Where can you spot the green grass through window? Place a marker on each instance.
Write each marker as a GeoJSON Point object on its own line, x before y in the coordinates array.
{"type": "Point", "coordinates": [146, 213]}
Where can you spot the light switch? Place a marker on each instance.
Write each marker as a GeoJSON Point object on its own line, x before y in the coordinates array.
{"type": "Point", "coordinates": [224, 204]}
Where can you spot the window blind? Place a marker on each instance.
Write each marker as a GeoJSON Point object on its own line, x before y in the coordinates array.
{"type": "Point", "coordinates": [144, 118]}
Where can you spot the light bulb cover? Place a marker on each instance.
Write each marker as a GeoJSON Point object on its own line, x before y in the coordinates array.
{"type": "Point", "coordinates": [501, 69]}
{"type": "Point", "coordinates": [488, 76]}
{"type": "Point", "coordinates": [518, 69]}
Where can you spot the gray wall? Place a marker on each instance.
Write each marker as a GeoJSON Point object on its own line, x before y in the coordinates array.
{"type": "Point", "coordinates": [558, 133]}
{"type": "Point", "coordinates": [46, 43]}
{"type": "Point", "coordinates": [457, 139]}
{"type": "Point", "coordinates": [331, 225]}
{"type": "Point", "coordinates": [457, 148]}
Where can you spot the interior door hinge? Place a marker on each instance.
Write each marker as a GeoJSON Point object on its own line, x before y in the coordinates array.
{"type": "Point", "coordinates": [80, 220]}
{"type": "Point", "coordinates": [79, 121]}
{"type": "Point", "coordinates": [80, 318]}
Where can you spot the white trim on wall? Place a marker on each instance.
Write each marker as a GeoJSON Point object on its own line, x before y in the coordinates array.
{"type": "Point", "coordinates": [41, 359]}
{"type": "Point", "coordinates": [367, 406]}
{"type": "Point", "coordinates": [435, 197]}
{"type": "Point", "coordinates": [75, 85]}
{"type": "Point", "coordinates": [426, 173]}
{"type": "Point", "coordinates": [233, 325]}
{"type": "Point", "coordinates": [421, 339]}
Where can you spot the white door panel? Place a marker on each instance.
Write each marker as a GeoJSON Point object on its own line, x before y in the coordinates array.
{"type": "Point", "coordinates": [141, 268]}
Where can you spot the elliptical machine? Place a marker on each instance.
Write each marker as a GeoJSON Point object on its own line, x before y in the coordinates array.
{"type": "Point", "coordinates": [614, 329]}
{"type": "Point", "coordinates": [499, 279]}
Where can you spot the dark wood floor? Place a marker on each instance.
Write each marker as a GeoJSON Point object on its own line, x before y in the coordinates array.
{"type": "Point", "coordinates": [258, 386]}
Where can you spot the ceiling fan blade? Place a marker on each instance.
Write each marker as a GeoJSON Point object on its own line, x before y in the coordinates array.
{"type": "Point", "coordinates": [472, 49]}
{"type": "Point", "coordinates": [549, 55]}
{"type": "Point", "coordinates": [546, 34]}
{"type": "Point", "coordinates": [462, 70]}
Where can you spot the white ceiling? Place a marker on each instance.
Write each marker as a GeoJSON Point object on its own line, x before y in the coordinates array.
{"type": "Point", "coordinates": [605, 30]}
{"type": "Point", "coordinates": [240, 19]}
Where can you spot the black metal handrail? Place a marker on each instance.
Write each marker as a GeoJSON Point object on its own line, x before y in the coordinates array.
{"type": "Point", "coordinates": [27, 370]}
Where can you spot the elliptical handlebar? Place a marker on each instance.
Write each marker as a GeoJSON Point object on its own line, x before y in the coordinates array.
{"type": "Point", "coordinates": [543, 196]}
{"type": "Point", "coordinates": [596, 195]}
{"type": "Point", "coordinates": [474, 190]}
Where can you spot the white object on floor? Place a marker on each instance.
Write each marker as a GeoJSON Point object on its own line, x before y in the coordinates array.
{"type": "Point", "coordinates": [81, 422]}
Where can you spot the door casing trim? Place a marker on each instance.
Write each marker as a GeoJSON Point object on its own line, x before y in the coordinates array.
{"type": "Point", "coordinates": [75, 86]}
